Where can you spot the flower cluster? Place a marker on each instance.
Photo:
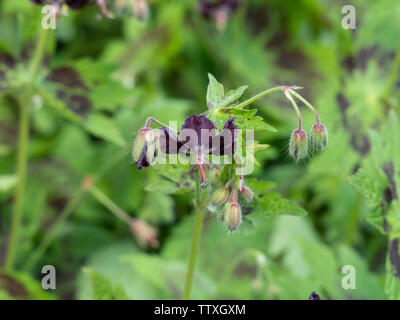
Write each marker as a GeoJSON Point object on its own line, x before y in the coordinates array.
{"type": "Point", "coordinates": [298, 144]}
{"type": "Point", "coordinates": [197, 138]}
{"type": "Point", "coordinates": [228, 197]}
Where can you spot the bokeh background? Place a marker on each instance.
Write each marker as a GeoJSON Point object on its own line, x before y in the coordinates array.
{"type": "Point", "coordinates": [101, 78]}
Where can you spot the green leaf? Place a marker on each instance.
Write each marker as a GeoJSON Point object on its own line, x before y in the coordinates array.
{"type": "Point", "coordinates": [272, 204]}
{"type": "Point", "coordinates": [215, 92]}
{"type": "Point", "coordinates": [105, 128]}
{"type": "Point", "coordinates": [168, 277]}
{"type": "Point", "coordinates": [232, 96]}
{"type": "Point", "coordinates": [103, 288]}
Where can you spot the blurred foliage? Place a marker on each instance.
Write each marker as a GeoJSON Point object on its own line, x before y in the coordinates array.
{"type": "Point", "coordinates": [101, 78]}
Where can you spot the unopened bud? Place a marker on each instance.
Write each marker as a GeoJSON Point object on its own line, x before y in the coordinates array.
{"type": "Point", "coordinates": [233, 216]}
{"type": "Point", "coordinates": [298, 144]}
{"type": "Point", "coordinates": [144, 142]}
{"type": "Point", "coordinates": [247, 193]}
{"type": "Point", "coordinates": [319, 136]}
{"type": "Point", "coordinates": [220, 195]}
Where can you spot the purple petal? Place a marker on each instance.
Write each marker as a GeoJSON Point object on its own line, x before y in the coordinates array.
{"type": "Point", "coordinates": [197, 124]}
{"type": "Point", "coordinates": [227, 139]}
{"type": "Point", "coordinates": [143, 161]}
{"type": "Point", "coordinates": [314, 296]}
{"type": "Point", "coordinates": [169, 142]}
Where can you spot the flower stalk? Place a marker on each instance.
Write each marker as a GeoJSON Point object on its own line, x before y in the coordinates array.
{"type": "Point", "coordinates": [195, 241]}
{"type": "Point", "coordinates": [22, 151]}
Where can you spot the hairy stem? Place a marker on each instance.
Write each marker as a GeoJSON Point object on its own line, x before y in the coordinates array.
{"type": "Point", "coordinates": [22, 151]}
{"type": "Point", "coordinates": [296, 108]}
{"type": "Point", "coordinates": [196, 237]}
{"type": "Point", "coordinates": [110, 205]}
{"type": "Point", "coordinates": [151, 119]}
{"type": "Point", "coordinates": [260, 95]}
{"type": "Point", "coordinates": [308, 104]}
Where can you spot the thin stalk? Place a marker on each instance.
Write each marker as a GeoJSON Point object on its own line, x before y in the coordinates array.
{"type": "Point", "coordinates": [110, 205]}
{"type": "Point", "coordinates": [19, 191]}
{"type": "Point", "coordinates": [309, 105]}
{"type": "Point", "coordinates": [196, 237]}
{"type": "Point", "coordinates": [260, 95]}
{"type": "Point", "coordinates": [393, 75]}
{"type": "Point", "coordinates": [72, 204]}
{"type": "Point", "coordinates": [22, 151]}
{"type": "Point", "coordinates": [296, 108]}
{"type": "Point", "coordinates": [151, 119]}
{"type": "Point", "coordinates": [55, 229]}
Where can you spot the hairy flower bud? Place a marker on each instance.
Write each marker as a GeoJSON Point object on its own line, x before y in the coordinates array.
{"type": "Point", "coordinates": [145, 147]}
{"type": "Point", "coordinates": [298, 144]}
{"type": "Point", "coordinates": [220, 195]}
{"type": "Point", "coordinates": [319, 136]}
{"type": "Point", "coordinates": [233, 216]}
{"type": "Point", "coordinates": [247, 193]}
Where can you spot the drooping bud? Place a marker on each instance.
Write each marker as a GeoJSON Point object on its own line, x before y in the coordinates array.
{"type": "Point", "coordinates": [233, 216]}
{"type": "Point", "coordinates": [144, 147]}
{"type": "Point", "coordinates": [220, 195]}
{"type": "Point", "coordinates": [319, 136]}
{"type": "Point", "coordinates": [247, 193]}
{"type": "Point", "coordinates": [298, 144]}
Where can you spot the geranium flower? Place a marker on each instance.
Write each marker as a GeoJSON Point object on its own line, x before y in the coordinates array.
{"type": "Point", "coordinates": [197, 138]}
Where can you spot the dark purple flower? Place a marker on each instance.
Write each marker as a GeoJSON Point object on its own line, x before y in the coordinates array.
{"type": "Point", "coordinates": [314, 296]}
{"type": "Point", "coordinates": [77, 4]}
{"type": "Point", "coordinates": [197, 138]}
{"type": "Point", "coordinates": [197, 132]}
{"type": "Point", "coordinates": [227, 139]}
{"type": "Point", "coordinates": [169, 142]}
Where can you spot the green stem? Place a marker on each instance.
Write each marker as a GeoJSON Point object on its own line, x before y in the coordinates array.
{"type": "Point", "coordinates": [296, 108]}
{"type": "Point", "coordinates": [151, 119]}
{"type": "Point", "coordinates": [260, 95]}
{"type": "Point", "coordinates": [309, 105]}
{"type": "Point", "coordinates": [19, 191]}
{"type": "Point", "coordinates": [22, 151]}
{"type": "Point", "coordinates": [196, 237]}
{"type": "Point", "coordinates": [55, 229]}
{"type": "Point", "coordinates": [110, 205]}
{"type": "Point", "coordinates": [393, 76]}
{"type": "Point", "coordinates": [38, 55]}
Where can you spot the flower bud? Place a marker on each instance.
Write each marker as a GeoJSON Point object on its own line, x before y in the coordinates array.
{"type": "Point", "coordinates": [220, 195]}
{"type": "Point", "coordinates": [233, 216]}
{"type": "Point", "coordinates": [247, 193]}
{"type": "Point", "coordinates": [145, 147]}
{"type": "Point", "coordinates": [319, 136]}
{"type": "Point", "coordinates": [298, 144]}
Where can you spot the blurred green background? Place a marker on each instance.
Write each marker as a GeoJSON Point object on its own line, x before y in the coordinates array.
{"type": "Point", "coordinates": [101, 78]}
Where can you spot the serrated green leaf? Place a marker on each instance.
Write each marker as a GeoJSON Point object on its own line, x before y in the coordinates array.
{"type": "Point", "coordinates": [232, 96]}
{"type": "Point", "coordinates": [103, 288]}
{"type": "Point", "coordinates": [272, 204]}
{"type": "Point", "coordinates": [215, 92]}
